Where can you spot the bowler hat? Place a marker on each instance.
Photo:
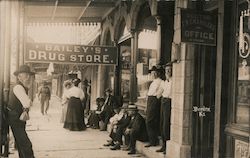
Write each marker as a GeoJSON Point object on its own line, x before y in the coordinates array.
{"type": "Point", "coordinates": [132, 107]}
{"type": "Point", "coordinates": [100, 99]}
{"type": "Point", "coordinates": [24, 69]}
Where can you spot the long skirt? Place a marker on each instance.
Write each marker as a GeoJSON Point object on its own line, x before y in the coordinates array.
{"type": "Point", "coordinates": [75, 115]}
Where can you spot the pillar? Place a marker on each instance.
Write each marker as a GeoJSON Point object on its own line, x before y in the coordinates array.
{"type": "Point", "coordinates": [133, 70]}
{"type": "Point", "coordinates": [159, 20]}
{"type": "Point", "coordinates": [179, 145]}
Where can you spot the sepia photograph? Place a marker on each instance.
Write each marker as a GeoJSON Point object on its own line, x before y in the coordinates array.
{"type": "Point", "coordinates": [125, 78]}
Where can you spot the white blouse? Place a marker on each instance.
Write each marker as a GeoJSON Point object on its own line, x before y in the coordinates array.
{"type": "Point", "coordinates": [154, 87]}
{"type": "Point", "coordinates": [75, 92]}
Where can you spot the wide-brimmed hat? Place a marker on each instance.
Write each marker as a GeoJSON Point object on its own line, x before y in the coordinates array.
{"type": "Point", "coordinates": [24, 69]}
{"type": "Point", "coordinates": [157, 68]}
{"type": "Point", "coordinates": [100, 99]}
{"type": "Point", "coordinates": [108, 90]}
{"type": "Point", "coordinates": [132, 107]}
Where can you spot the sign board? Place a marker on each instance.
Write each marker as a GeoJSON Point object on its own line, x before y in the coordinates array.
{"type": "Point", "coordinates": [198, 27]}
{"type": "Point", "coordinates": [75, 54]}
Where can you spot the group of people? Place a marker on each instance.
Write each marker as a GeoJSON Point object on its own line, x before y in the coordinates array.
{"type": "Point", "coordinates": [124, 121]}
{"type": "Point", "coordinates": [158, 111]}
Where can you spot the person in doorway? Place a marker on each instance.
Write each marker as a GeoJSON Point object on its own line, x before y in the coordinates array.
{"type": "Point", "coordinates": [44, 96]}
{"type": "Point", "coordinates": [67, 85]}
{"type": "Point", "coordinates": [165, 91]}
{"type": "Point", "coordinates": [136, 129]}
{"type": "Point", "coordinates": [75, 113]}
{"type": "Point", "coordinates": [153, 107]}
{"type": "Point", "coordinates": [18, 102]}
{"type": "Point", "coordinates": [108, 107]}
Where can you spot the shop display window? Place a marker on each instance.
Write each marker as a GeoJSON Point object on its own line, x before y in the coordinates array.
{"type": "Point", "coordinates": [146, 58]}
{"type": "Point", "coordinates": [243, 80]}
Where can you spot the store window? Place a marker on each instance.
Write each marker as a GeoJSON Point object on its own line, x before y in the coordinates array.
{"type": "Point", "coordinates": [125, 59]}
{"type": "Point", "coordinates": [146, 57]}
{"type": "Point", "coordinates": [243, 80]}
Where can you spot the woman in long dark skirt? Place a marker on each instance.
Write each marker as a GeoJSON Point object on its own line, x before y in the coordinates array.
{"type": "Point", "coordinates": [75, 114]}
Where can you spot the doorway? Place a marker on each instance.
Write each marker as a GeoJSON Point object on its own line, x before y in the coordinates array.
{"type": "Point", "coordinates": [204, 101]}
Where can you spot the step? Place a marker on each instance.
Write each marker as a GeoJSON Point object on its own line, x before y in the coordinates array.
{"type": "Point", "coordinates": [149, 152]}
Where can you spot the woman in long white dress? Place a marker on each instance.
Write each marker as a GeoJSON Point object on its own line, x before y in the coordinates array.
{"type": "Point", "coordinates": [74, 120]}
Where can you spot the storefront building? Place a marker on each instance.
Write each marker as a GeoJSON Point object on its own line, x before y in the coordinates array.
{"type": "Point", "coordinates": [210, 104]}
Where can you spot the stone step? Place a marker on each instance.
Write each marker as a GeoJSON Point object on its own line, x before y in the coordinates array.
{"type": "Point", "coordinates": [149, 152]}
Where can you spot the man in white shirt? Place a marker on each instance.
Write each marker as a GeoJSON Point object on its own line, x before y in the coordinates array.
{"type": "Point", "coordinates": [153, 107]}
{"type": "Point", "coordinates": [18, 102]}
{"type": "Point", "coordinates": [166, 92]}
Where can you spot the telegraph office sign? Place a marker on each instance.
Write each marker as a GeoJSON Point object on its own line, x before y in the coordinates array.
{"type": "Point", "coordinates": [198, 27]}
{"type": "Point", "coordinates": [75, 54]}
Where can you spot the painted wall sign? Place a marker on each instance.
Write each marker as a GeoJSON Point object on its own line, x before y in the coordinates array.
{"type": "Point", "coordinates": [198, 27]}
{"type": "Point", "coordinates": [76, 54]}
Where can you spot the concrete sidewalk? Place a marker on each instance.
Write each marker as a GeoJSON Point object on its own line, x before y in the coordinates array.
{"type": "Point", "coordinates": [51, 140]}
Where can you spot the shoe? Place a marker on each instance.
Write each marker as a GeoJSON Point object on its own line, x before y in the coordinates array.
{"type": "Point", "coordinates": [131, 152]}
{"type": "Point", "coordinates": [109, 144]}
{"type": "Point", "coordinates": [116, 147]}
{"type": "Point", "coordinates": [160, 150]}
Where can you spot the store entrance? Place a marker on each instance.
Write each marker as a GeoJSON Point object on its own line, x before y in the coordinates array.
{"type": "Point", "coordinates": [203, 102]}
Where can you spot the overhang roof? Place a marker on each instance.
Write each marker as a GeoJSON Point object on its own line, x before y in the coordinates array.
{"type": "Point", "coordinates": [68, 10]}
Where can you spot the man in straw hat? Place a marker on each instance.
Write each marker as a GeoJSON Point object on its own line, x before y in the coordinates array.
{"type": "Point", "coordinates": [18, 102]}
{"type": "Point", "coordinates": [136, 129]}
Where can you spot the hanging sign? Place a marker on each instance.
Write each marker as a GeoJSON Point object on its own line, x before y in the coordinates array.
{"type": "Point", "coordinates": [198, 27]}
{"type": "Point", "coordinates": [75, 54]}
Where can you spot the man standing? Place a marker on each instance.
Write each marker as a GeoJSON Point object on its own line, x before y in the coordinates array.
{"type": "Point", "coordinates": [153, 107]}
{"type": "Point", "coordinates": [18, 102]}
{"type": "Point", "coordinates": [165, 91]}
{"type": "Point", "coordinates": [44, 95]}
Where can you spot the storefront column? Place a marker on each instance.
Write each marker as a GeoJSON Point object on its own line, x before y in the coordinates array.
{"type": "Point", "coordinates": [100, 80]}
{"type": "Point", "coordinates": [2, 43]}
{"type": "Point", "coordinates": [159, 20]}
{"type": "Point", "coordinates": [21, 32]}
{"type": "Point", "coordinates": [133, 79]}
{"type": "Point", "coordinates": [7, 51]}
{"type": "Point", "coordinates": [179, 145]}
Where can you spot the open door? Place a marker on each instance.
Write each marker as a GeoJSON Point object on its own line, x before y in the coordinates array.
{"type": "Point", "coordinates": [204, 101]}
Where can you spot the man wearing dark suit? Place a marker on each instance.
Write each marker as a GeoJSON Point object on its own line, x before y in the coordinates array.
{"type": "Point", "coordinates": [108, 108]}
{"type": "Point", "coordinates": [136, 129]}
{"type": "Point", "coordinates": [18, 102]}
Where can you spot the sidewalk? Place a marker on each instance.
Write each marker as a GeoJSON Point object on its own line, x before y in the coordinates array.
{"type": "Point", "coordinates": [51, 140]}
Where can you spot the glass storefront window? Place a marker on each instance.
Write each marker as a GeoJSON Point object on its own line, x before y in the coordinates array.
{"type": "Point", "coordinates": [146, 58]}
{"type": "Point", "coordinates": [243, 81]}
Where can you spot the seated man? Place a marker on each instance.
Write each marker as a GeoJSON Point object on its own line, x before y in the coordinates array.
{"type": "Point", "coordinates": [119, 130]}
{"type": "Point", "coordinates": [136, 129]}
{"type": "Point", "coordinates": [94, 118]}
{"type": "Point", "coordinates": [113, 124]}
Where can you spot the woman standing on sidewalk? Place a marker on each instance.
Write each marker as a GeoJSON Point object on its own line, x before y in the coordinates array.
{"type": "Point", "coordinates": [75, 114]}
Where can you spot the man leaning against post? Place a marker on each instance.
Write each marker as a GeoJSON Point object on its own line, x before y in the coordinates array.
{"type": "Point", "coordinates": [18, 102]}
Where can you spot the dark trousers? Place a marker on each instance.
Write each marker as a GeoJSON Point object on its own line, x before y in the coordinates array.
{"type": "Point", "coordinates": [153, 119]}
{"type": "Point", "coordinates": [22, 141]}
{"type": "Point", "coordinates": [132, 137]}
{"type": "Point", "coordinates": [166, 116]}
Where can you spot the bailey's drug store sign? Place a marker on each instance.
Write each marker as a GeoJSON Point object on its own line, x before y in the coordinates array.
{"type": "Point", "coordinates": [77, 54]}
{"type": "Point", "coordinates": [198, 27]}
